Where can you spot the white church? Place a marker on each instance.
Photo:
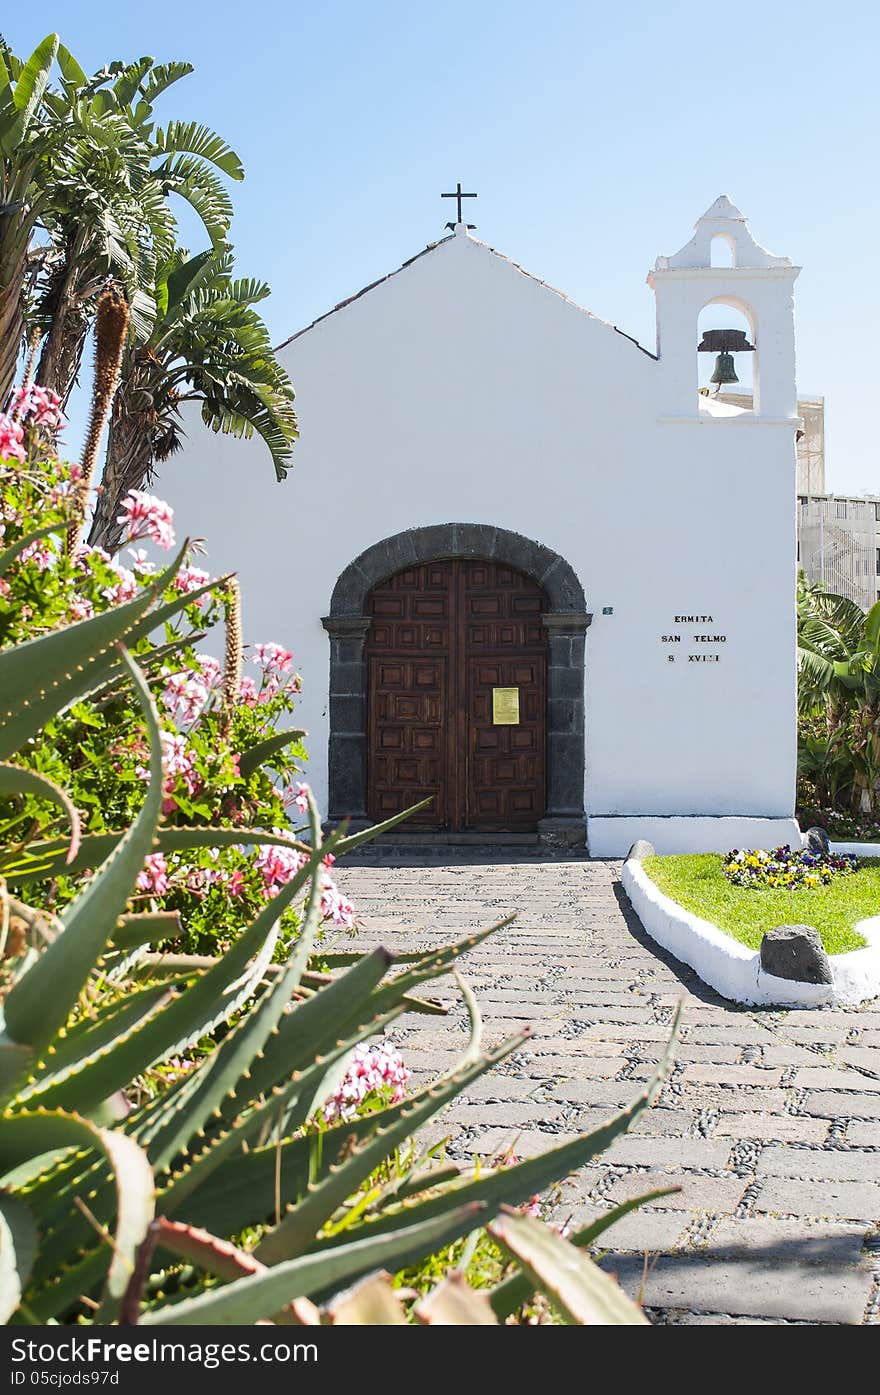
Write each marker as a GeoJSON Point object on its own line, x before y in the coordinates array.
{"type": "Point", "coordinates": [510, 556]}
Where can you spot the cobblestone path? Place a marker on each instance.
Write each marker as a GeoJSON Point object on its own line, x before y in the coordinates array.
{"type": "Point", "coordinates": [770, 1124]}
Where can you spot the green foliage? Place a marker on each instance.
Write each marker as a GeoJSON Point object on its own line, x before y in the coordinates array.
{"type": "Point", "coordinates": [697, 882]}
{"type": "Point", "coordinates": [838, 701]}
{"type": "Point", "coordinates": [207, 344]}
{"type": "Point", "coordinates": [95, 752]}
{"type": "Point", "coordinates": [150, 1115]}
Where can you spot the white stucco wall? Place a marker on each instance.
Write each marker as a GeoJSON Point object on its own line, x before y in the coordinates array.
{"type": "Point", "coordinates": [463, 390]}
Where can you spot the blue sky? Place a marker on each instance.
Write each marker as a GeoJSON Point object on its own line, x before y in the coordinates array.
{"type": "Point", "coordinates": [594, 135]}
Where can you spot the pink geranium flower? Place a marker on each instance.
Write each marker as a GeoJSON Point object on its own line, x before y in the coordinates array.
{"type": "Point", "coordinates": [375, 1070]}
{"type": "Point", "coordinates": [37, 404]}
{"type": "Point", "coordinates": [11, 439]}
{"type": "Point", "coordinates": [186, 694]}
{"type": "Point", "coordinates": [274, 659]}
{"type": "Point", "coordinates": [142, 515]}
{"type": "Point", "coordinates": [154, 877]}
{"type": "Point", "coordinates": [190, 579]}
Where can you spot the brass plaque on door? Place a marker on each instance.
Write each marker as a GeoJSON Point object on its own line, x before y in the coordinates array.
{"type": "Point", "coordinates": [505, 707]}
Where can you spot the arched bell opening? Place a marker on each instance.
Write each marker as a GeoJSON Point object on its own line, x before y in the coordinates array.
{"type": "Point", "coordinates": [727, 354]}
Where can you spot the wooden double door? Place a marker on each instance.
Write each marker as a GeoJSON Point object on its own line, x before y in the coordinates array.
{"type": "Point", "coordinates": [456, 659]}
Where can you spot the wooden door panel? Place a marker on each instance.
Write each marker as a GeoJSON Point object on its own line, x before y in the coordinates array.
{"type": "Point", "coordinates": [443, 635]}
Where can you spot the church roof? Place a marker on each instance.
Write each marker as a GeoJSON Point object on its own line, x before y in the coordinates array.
{"type": "Point", "coordinates": [431, 247]}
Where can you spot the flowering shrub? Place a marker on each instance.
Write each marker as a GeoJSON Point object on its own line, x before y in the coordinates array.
{"type": "Point", "coordinates": [97, 750]}
{"type": "Point", "coordinates": [783, 868]}
{"type": "Point", "coordinates": [846, 827]}
{"type": "Point", "coordinates": [376, 1077]}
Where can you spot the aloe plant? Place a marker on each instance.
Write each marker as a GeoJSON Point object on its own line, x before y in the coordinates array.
{"type": "Point", "coordinates": [110, 1213]}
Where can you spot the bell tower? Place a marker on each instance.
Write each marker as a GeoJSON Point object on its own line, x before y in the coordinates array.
{"type": "Point", "coordinates": [754, 282]}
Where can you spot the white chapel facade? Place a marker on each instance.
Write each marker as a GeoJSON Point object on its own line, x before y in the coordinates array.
{"type": "Point", "coordinates": [509, 558]}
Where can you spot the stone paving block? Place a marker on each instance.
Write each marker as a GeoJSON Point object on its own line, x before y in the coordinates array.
{"type": "Point", "coordinates": [662, 1122]}
{"type": "Point", "coordinates": [832, 1200]}
{"type": "Point", "coordinates": [858, 1055]}
{"type": "Point", "coordinates": [774, 1054]}
{"type": "Point", "coordinates": [835, 1164]}
{"type": "Point", "coordinates": [631, 1151]}
{"type": "Point", "coordinates": [864, 1135]}
{"type": "Point", "coordinates": [509, 1115]}
{"type": "Point", "coordinates": [737, 1033]}
{"type": "Point", "coordinates": [688, 1052]}
{"type": "Point", "coordinates": [500, 1087]}
{"type": "Point", "coordinates": [832, 1032]}
{"type": "Point", "coordinates": [613, 1093]}
{"type": "Point", "coordinates": [717, 1194]}
{"type": "Point", "coordinates": [758, 1076]}
{"type": "Point", "coordinates": [839, 1104]}
{"type": "Point", "coordinates": [626, 1032]}
{"type": "Point", "coordinates": [750, 1285]}
{"type": "Point", "coordinates": [642, 1231]}
{"type": "Point", "coordinates": [827, 1078]}
{"type": "Point", "coordinates": [524, 1142]}
{"type": "Point", "coordinates": [819, 1243]}
{"type": "Point", "coordinates": [777, 1127]}
{"type": "Point", "coordinates": [607, 1055]}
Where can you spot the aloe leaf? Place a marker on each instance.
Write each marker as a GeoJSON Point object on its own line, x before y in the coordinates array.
{"type": "Point", "coordinates": [15, 780]}
{"type": "Point", "coordinates": [515, 1185]}
{"type": "Point", "coordinates": [575, 1286]}
{"type": "Point", "coordinates": [258, 755]}
{"type": "Point", "coordinates": [112, 1021]}
{"type": "Point", "coordinates": [303, 1222]}
{"type": "Point", "coordinates": [41, 1001]}
{"type": "Point", "coordinates": [370, 1303]}
{"type": "Point", "coordinates": [453, 1303]}
{"type": "Point", "coordinates": [250, 1299]}
{"type": "Point", "coordinates": [242, 1190]}
{"type": "Point", "coordinates": [224, 1069]}
{"type": "Point", "coordinates": [23, 1136]}
{"type": "Point", "coordinates": [518, 1288]}
{"type": "Point", "coordinates": [210, 1000]}
{"type": "Point", "coordinates": [281, 1113]}
{"type": "Point", "coordinates": [19, 1238]}
{"type": "Point", "coordinates": [366, 835]}
{"type": "Point", "coordinates": [432, 964]}
{"type": "Point", "coordinates": [146, 928]}
{"type": "Point", "coordinates": [314, 1024]}
{"type": "Point", "coordinates": [46, 859]}
{"type": "Point", "coordinates": [77, 656]}
{"type": "Point", "coordinates": [167, 611]}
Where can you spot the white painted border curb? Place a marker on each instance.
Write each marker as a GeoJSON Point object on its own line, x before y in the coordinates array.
{"type": "Point", "coordinates": [733, 969]}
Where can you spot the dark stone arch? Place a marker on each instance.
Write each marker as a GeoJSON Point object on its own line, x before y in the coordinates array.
{"type": "Point", "coordinates": [566, 620]}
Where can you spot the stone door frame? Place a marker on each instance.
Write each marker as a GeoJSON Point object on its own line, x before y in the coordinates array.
{"type": "Point", "coordinates": [566, 620]}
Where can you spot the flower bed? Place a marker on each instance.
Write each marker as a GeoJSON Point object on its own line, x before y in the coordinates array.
{"type": "Point", "coordinates": [785, 868]}
{"type": "Point", "coordinates": [688, 906]}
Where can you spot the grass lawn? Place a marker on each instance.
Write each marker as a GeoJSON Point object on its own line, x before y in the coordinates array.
{"type": "Point", "coordinates": [697, 882]}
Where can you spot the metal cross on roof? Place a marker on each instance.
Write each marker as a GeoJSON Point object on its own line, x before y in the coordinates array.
{"type": "Point", "coordinates": [458, 196]}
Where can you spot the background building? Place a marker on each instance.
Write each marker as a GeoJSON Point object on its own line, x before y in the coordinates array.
{"type": "Point", "coordinates": [838, 534]}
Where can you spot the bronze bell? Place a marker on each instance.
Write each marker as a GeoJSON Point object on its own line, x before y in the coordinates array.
{"type": "Point", "coordinates": [724, 370]}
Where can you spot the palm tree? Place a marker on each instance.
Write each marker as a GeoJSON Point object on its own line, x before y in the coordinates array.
{"type": "Point", "coordinates": [839, 682]}
{"type": "Point", "coordinates": [209, 345]}
{"type": "Point", "coordinates": [29, 145]}
{"type": "Point", "coordinates": [110, 215]}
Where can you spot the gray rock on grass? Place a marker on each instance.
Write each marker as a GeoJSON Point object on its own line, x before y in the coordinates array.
{"type": "Point", "coordinates": [795, 952]}
{"type": "Point", "coordinates": [641, 848]}
{"type": "Point", "coordinates": [818, 841]}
